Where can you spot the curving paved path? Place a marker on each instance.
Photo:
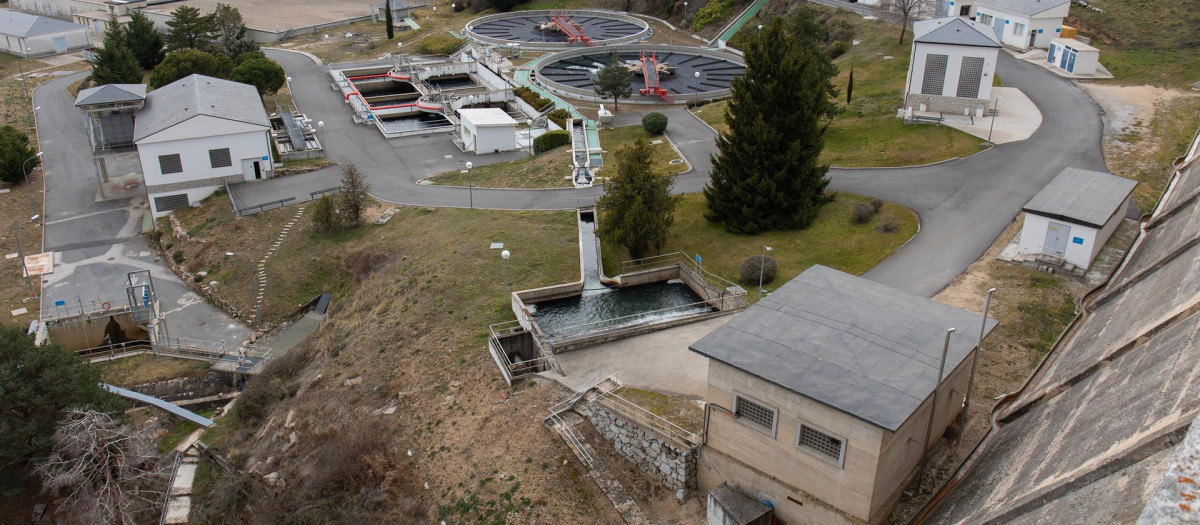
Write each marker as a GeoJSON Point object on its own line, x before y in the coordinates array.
{"type": "Point", "coordinates": [963, 204]}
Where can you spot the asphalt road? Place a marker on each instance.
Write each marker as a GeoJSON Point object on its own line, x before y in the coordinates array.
{"type": "Point", "coordinates": [963, 204]}
{"type": "Point", "coordinates": [98, 242]}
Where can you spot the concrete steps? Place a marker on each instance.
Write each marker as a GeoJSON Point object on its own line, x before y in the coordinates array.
{"type": "Point", "coordinates": [629, 509]}
{"type": "Point", "coordinates": [261, 271]}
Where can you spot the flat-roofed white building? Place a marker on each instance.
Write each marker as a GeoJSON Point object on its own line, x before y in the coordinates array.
{"type": "Point", "coordinates": [29, 35]}
{"type": "Point", "coordinates": [1072, 217]}
{"type": "Point", "coordinates": [487, 130]}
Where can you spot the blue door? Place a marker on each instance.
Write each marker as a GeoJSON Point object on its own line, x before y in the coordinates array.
{"type": "Point", "coordinates": [1062, 63]}
{"type": "Point", "coordinates": [1071, 62]}
{"type": "Point", "coordinates": [1050, 55]}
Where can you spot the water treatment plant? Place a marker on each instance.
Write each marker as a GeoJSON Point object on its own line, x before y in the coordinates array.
{"type": "Point", "coordinates": [657, 74]}
{"type": "Point", "coordinates": [554, 30]}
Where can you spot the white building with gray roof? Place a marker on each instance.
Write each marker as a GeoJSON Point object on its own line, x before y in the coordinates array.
{"type": "Point", "coordinates": [952, 67]}
{"type": "Point", "coordinates": [27, 35]}
{"type": "Point", "coordinates": [1022, 24]}
{"type": "Point", "coordinates": [1071, 219]}
{"type": "Point", "coordinates": [197, 134]}
{"type": "Point", "coordinates": [832, 380]}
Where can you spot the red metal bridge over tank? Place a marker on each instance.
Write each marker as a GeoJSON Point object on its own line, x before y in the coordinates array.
{"type": "Point", "coordinates": [571, 28]}
{"type": "Point", "coordinates": [650, 75]}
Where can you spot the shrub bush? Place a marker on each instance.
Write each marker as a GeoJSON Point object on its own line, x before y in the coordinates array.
{"type": "Point", "coordinates": [889, 224]}
{"type": "Point", "coordinates": [876, 204]}
{"type": "Point", "coordinates": [438, 45]}
{"type": "Point", "coordinates": [749, 271]}
{"type": "Point", "coordinates": [712, 12]}
{"type": "Point", "coordinates": [550, 140]}
{"type": "Point", "coordinates": [559, 116]}
{"type": "Point", "coordinates": [838, 49]}
{"type": "Point", "coordinates": [654, 123]}
{"type": "Point", "coordinates": [177, 256]}
{"type": "Point", "coordinates": [531, 97]}
{"type": "Point", "coordinates": [862, 213]}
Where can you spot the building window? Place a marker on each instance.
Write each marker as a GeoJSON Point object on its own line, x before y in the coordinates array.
{"type": "Point", "coordinates": [986, 19]}
{"type": "Point", "coordinates": [1019, 29]}
{"type": "Point", "coordinates": [969, 77]}
{"type": "Point", "coordinates": [757, 415]}
{"type": "Point", "coordinates": [219, 158]}
{"type": "Point", "coordinates": [935, 74]}
{"type": "Point", "coordinates": [171, 202]}
{"type": "Point", "coordinates": [820, 443]}
{"type": "Point", "coordinates": [170, 164]}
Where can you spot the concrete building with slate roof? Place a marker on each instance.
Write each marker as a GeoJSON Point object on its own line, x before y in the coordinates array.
{"type": "Point", "coordinates": [1069, 221]}
{"type": "Point", "coordinates": [198, 134]}
{"type": "Point", "coordinates": [1022, 24]}
{"type": "Point", "coordinates": [952, 67]}
{"type": "Point", "coordinates": [29, 35]}
{"type": "Point", "coordinates": [833, 380]}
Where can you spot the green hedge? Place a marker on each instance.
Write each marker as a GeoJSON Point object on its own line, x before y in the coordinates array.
{"type": "Point", "coordinates": [531, 97]}
{"type": "Point", "coordinates": [654, 123]}
{"type": "Point", "coordinates": [550, 140]}
{"type": "Point", "coordinates": [438, 45]}
{"type": "Point", "coordinates": [559, 116]}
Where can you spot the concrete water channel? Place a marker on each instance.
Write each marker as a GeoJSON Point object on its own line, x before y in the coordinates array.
{"type": "Point", "coordinates": [650, 294]}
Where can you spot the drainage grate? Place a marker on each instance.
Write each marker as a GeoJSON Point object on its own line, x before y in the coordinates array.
{"type": "Point", "coordinates": [426, 136]}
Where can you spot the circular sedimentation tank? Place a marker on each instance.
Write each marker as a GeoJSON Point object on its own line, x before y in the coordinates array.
{"type": "Point", "coordinates": [538, 29]}
{"type": "Point", "coordinates": [685, 73]}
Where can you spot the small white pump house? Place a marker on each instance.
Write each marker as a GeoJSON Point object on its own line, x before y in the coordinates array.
{"type": "Point", "coordinates": [487, 130]}
{"type": "Point", "coordinates": [1072, 217]}
{"type": "Point", "coordinates": [952, 67]}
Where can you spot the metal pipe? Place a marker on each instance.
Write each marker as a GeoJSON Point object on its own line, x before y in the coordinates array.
{"type": "Point", "coordinates": [28, 188]}
{"type": "Point", "coordinates": [762, 261]}
{"type": "Point", "coordinates": [937, 386]}
{"type": "Point", "coordinates": [987, 303]}
{"type": "Point", "coordinates": [704, 427]}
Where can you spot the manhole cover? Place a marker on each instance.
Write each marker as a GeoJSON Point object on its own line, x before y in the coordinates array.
{"type": "Point", "coordinates": [677, 161]}
{"type": "Point", "coordinates": [426, 136]}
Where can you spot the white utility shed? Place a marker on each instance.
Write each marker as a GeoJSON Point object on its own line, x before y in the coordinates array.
{"type": "Point", "coordinates": [487, 130]}
{"type": "Point", "coordinates": [1073, 56]}
{"type": "Point", "coordinates": [1074, 215]}
{"type": "Point", "coordinates": [29, 35]}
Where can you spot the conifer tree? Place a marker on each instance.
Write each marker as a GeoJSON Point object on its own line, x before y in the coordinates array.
{"type": "Point", "coordinates": [387, 20]}
{"type": "Point", "coordinates": [115, 63]}
{"type": "Point", "coordinates": [144, 40]}
{"type": "Point", "coordinates": [767, 175]}
{"type": "Point", "coordinates": [189, 29]}
{"type": "Point", "coordinates": [638, 206]}
{"type": "Point", "coordinates": [612, 81]}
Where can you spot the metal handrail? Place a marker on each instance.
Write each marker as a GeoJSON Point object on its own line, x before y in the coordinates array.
{"type": "Point", "coordinates": [567, 403]}
{"type": "Point", "coordinates": [574, 439]}
{"type": "Point", "coordinates": [162, 520]}
{"type": "Point", "coordinates": [313, 195]}
{"type": "Point", "coordinates": [511, 367]}
{"type": "Point", "coordinates": [263, 207]}
{"type": "Point", "coordinates": [669, 430]}
{"type": "Point", "coordinates": [563, 337]}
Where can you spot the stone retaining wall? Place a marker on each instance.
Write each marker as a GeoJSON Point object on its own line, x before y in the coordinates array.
{"type": "Point", "coordinates": [208, 384]}
{"type": "Point", "coordinates": [653, 455]}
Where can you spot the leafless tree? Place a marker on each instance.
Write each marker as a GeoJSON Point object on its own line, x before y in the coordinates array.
{"type": "Point", "coordinates": [107, 471]}
{"type": "Point", "coordinates": [906, 9]}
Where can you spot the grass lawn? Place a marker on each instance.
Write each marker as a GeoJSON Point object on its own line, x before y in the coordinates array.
{"type": "Point", "coordinates": [867, 132]}
{"type": "Point", "coordinates": [832, 240]}
{"type": "Point", "coordinates": [140, 369]}
{"type": "Point", "coordinates": [1148, 159]}
{"type": "Point", "coordinates": [553, 168]}
{"type": "Point", "coordinates": [1144, 41]}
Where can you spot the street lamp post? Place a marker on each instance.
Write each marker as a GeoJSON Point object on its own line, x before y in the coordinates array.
{"type": "Point", "coordinates": [504, 255]}
{"type": "Point", "coordinates": [761, 263]}
{"type": "Point", "coordinates": [321, 137]}
{"type": "Point", "coordinates": [995, 113]}
{"type": "Point", "coordinates": [253, 286]}
{"type": "Point", "coordinates": [470, 185]}
{"type": "Point", "coordinates": [328, 51]}
{"type": "Point", "coordinates": [21, 254]}
{"type": "Point", "coordinates": [32, 206]}
{"type": "Point", "coordinates": [25, 86]}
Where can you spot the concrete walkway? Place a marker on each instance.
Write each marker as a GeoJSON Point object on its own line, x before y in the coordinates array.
{"type": "Point", "coordinates": [1018, 118]}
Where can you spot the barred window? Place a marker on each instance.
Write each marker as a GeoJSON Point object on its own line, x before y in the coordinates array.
{"type": "Point", "coordinates": [821, 443]}
{"type": "Point", "coordinates": [171, 202]}
{"type": "Point", "coordinates": [970, 76]}
{"type": "Point", "coordinates": [935, 74]}
{"type": "Point", "coordinates": [170, 164]}
{"type": "Point", "coordinates": [219, 158]}
{"type": "Point", "coordinates": [757, 415]}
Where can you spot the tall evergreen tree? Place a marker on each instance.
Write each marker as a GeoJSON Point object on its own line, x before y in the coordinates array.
{"type": "Point", "coordinates": [612, 81]}
{"type": "Point", "coordinates": [229, 31]}
{"type": "Point", "coordinates": [388, 20]}
{"type": "Point", "coordinates": [767, 175]}
{"type": "Point", "coordinates": [144, 40]}
{"type": "Point", "coordinates": [189, 29]}
{"type": "Point", "coordinates": [179, 64]}
{"type": "Point", "coordinates": [638, 206]}
{"type": "Point", "coordinates": [16, 155]}
{"type": "Point", "coordinates": [115, 63]}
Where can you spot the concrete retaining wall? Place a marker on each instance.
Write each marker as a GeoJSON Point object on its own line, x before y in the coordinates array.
{"type": "Point", "coordinates": [948, 105]}
{"type": "Point", "coordinates": [209, 384]}
{"type": "Point", "coordinates": [653, 455]}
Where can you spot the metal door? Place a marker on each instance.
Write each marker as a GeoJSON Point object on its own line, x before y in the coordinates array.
{"type": "Point", "coordinates": [60, 44]}
{"type": "Point", "coordinates": [1057, 235]}
{"type": "Point", "coordinates": [998, 25]}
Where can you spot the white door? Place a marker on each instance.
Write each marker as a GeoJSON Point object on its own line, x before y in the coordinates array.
{"type": "Point", "coordinates": [60, 44]}
{"type": "Point", "coordinates": [252, 169]}
{"type": "Point", "coordinates": [1057, 235]}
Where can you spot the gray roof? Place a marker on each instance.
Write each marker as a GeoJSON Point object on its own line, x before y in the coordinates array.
{"type": "Point", "coordinates": [20, 24]}
{"type": "Point", "coordinates": [1022, 7]}
{"type": "Point", "coordinates": [199, 95]}
{"type": "Point", "coordinates": [955, 31]}
{"type": "Point", "coordinates": [111, 94]}
{"type": "Point", "coordinates": [861, 347]}
{"type": "Point", "coordinates": [1082, 197]}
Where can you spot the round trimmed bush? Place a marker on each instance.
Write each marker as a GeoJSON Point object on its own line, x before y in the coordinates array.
{"type": "Point", "coordinates": [862, 213]}
{"type": "Point", "coordinates": [749, 271]}
{"type": "Point", "coordinates": [550, 140]}
{"type": "Point", "coordinates": [654, 123]}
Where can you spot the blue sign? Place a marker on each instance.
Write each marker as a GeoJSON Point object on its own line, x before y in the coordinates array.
{"type": "Point", "coordinates": [698, 258]}
{"type": "Point", "coordinates": [264, 157]}
{"type": "Point", "coordinates": [1077, 240]}
{"type": "Point", "coordinates": [60, 303]}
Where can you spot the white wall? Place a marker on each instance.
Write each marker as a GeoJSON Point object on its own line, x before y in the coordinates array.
{"type": "Point", "coordinates": [1033, 237]}
{"type": "Point", "coordinates": [44, 44]}
{"type": "Point", "coordinates": [486, 140]}
{"type": "Point", "coordinates": [1049, 22]}
{"type": "Point", "coordinates": [1109, 228]}
{"type": "Point", "coordinates": [193, 154]}
{"type": "Point", "coordinates": [955, 54]}
{"type": "Point", "coordinates": [1086, 60]}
